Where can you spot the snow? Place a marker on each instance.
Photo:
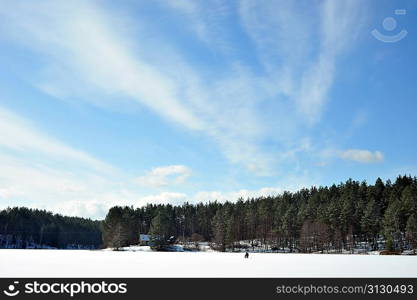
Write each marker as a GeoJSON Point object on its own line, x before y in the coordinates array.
{"type": "Point", "coordinates": [132, 248]}
{"type": "Point", "coordinates": [172, 248]}
{"type": "Point", "coordinates": [98, 263]}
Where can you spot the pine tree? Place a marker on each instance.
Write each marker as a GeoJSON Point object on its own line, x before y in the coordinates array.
{"type": "Point", "coordinates": [411, 231]}
{"type": "Point", "coordinates": [230, 237]}
{"type": "Point", "coordinates": [159, 230]}
{"type": "Point", "coordinates": [391, 224]}
{"type": "Point", "coordinates": [370, 224]}
{"type": "Point", "coordinates": [120, 236]}
{"type": "Point", "coordinates": [219, 225]}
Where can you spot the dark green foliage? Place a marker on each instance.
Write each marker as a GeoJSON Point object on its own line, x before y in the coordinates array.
{"type": "Point", "coordinates": [411, 231]}
{"type": "Point", "coordinates": [160, 229]}
{"type": "Point", "coordinates": [316, 219]}
{"type": "Point", "coordinates": [219, 229]}
{"type": "Point", "coordinates": [23, 227]}
{"type": "Point", "coordinates": [117, 227]}
{"type": "Point", "coordinates": [390, 244]}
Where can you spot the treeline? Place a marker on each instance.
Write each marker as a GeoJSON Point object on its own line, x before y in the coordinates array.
{"type": "Point", "coordinates": [22, 227]}
{"type": "Point", "coordinates": [345, 216]}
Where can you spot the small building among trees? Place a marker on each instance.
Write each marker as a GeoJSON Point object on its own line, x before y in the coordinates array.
{"type": "Point", "coordinates": [144, 239]}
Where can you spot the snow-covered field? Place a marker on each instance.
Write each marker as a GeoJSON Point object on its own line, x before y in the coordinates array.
{"type": "Point", "coordinates": [84, 263]}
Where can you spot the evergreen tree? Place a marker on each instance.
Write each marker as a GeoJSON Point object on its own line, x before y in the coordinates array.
{"type": "Point", "coordinates": [219, 224]}
{"type": "Point", "coordinates": [22, 227]}
{"type": "Point", "coordinates": [411, 231]}
{"type": "Point", "coordinates": [370, 224]}
{"type": "Point", "coordinates": [160, 229]}
{"type": "Point", "coordinates": [317, 219]}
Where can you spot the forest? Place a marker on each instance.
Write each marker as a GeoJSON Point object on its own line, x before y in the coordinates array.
{"type": "Point", "coordinates": [335, 218]}
{"type": "Point", "coordinates": [22, 227]}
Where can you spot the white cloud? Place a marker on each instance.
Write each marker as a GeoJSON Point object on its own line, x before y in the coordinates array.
{"type": "Point", "coordinates": [163, 198]}
{"type": "Point", "coordinates": [80, 193]}
{"type": "Point", "coordinates": [8, 192]}
{"type": "Point", "coordinates": [165, 176]}
{"type": "Point", "coordinates": [362, 156]}
{"type": "Point", "coordinates": [291, 183]}
{"type": "Point", "coordinates": [206, 196]}
{"type": "Point", "coordinates": [93, 203]}
{"type": "Point", "coordinates": [220, 196]}
{"type": "Point", "coordinates": [100, 208]}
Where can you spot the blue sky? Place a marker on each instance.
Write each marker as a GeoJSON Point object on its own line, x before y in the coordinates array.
{"type": "Point", "coordinates": [105, 103]}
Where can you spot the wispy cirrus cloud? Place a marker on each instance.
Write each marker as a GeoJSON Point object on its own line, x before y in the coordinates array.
{"type": "Point", "coordinates": [299, 44]}
{"type": "Point", "coordinates": [206, 20]}
{"type": "Point", "coordinates": [338, 30]}
{"type": "Point", "coordinates": [20, 135]}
